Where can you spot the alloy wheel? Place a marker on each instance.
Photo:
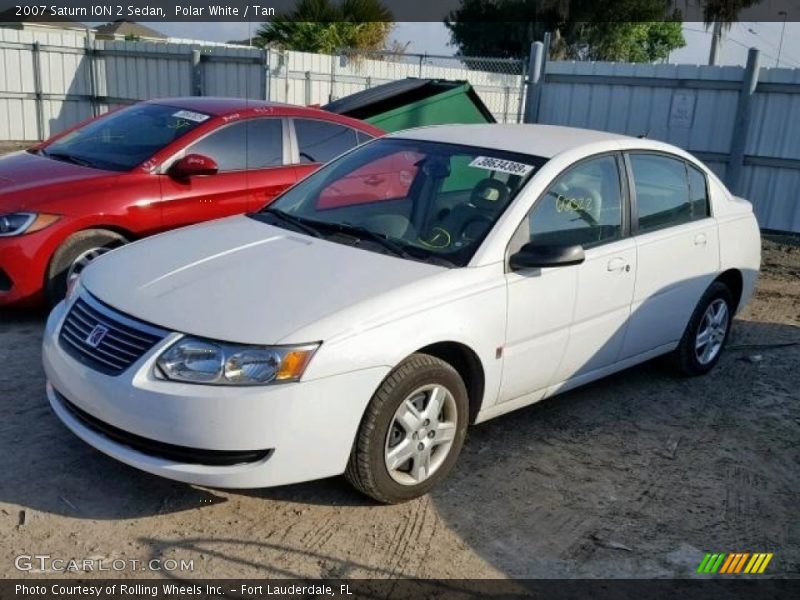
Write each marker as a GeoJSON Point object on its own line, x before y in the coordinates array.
{"type": "Point", "coordinates": [421, 434]}
{"type": "Point", "coordinates": [711, 332]}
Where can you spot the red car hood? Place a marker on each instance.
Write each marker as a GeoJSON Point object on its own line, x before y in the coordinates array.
{"type": "Point", "coordinates": [27, 179]}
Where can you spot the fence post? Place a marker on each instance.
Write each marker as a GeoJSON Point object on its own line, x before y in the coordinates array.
{"type": "Point", "coordinates": [522, 83]}
{"type": "Point", "coordinates": [535, 81]}
{"type": "Point", "coordinates": [421, 58]}
{"type": "Point", "coordinates": [742, 123]}
{"type": "Point", "coordinates": [197, 73]}
{"type": "Point", "coordinates": [266, 75]}
{"type": "Point", "coordinates": [89, 47]}
{"type": "Point", "coordinates": [332, 95]}
{"type": "Point", "coordinates": [308, 88]}
{"type": "Point", "coordinates": [37, 89]}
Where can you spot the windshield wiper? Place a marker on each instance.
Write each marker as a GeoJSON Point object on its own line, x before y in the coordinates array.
{"type": "Point", "coordinates": [364, 233]}
{"type": "Point", "coordinates": [292, 220]}
{"type": "Point", "coordinates": [63, 156]}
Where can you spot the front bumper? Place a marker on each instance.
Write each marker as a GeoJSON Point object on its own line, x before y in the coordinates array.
{"type": "Point", "coordinates": [23, 262]}
{"type": "Point", "coordinates": [306, 429]}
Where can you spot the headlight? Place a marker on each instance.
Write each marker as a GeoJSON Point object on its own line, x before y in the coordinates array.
{"type": "Point", "coordinates": [19, 223]}
{"type": "Point", "coordinates": [195, 360]}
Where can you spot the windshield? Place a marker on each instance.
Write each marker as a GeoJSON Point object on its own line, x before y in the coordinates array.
{"type": "Point", "coordinates": [126, 138]}
{"type": "Point", "coordinates": [416, 199]}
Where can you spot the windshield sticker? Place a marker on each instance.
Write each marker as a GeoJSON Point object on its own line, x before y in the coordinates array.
{"type": "Point", "coordinates": [179, 124]}
{"type": "Point", "coordinates": [501, 165]}
{"type": "Point", "coordinates": [192, 116]}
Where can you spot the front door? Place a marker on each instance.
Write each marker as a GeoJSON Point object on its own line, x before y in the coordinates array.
{"type": "Point", "coordinates": [250, 156]}
{"type": "Point", "coordinates": [568, 322]}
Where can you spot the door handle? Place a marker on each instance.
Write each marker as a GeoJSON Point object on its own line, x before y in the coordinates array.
{"type": "Point", "coordinates": [618, 264]}
{"type": "Point", "coordinates": [701, 239]}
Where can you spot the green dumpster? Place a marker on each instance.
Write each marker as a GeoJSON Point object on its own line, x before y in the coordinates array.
{"type": "Point", "coordinates": [414, 103]}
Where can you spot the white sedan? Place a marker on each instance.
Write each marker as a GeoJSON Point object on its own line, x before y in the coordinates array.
{"type": "Point", "coordinates": [420, 283]}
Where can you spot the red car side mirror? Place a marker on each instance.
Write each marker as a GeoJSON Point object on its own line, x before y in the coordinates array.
{"type": "Point", "coordinates": [193, 165]}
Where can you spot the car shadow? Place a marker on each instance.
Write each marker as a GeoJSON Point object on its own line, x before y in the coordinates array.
{"type": "Point", "coordinates": [595, 477]}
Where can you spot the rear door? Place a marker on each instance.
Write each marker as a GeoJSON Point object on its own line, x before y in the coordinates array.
{"type": "Point", "coordinates": [677, 248]}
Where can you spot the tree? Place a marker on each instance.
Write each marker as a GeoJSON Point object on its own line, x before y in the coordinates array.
{"type": "Point", "coordinates": [325, 26]}
{"type": "Point", "coordinates": [618, 30]}
{"type": "Point", "coordinates": [724, 11]}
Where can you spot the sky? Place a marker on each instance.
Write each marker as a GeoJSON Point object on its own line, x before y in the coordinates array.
{"type": "Point", "coordinates": [433, 38]}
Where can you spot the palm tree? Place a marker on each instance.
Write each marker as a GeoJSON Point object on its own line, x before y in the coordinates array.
{"type": "Point", "coordinates": [326, 26]}
{"type": "Point", "coordinates": [722, 14]}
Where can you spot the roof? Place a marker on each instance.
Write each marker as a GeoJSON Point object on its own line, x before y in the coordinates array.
{"type": "Point", "coordinates": [217, 106]}
{"type": "Point", "coordinates": [387, 96]}
{"type": "Point", "coordinates": [243, 107]}
{"type": "Point", "coordinates": [537, 140]}
{"type": "Point", "coordinates": [129, 28]}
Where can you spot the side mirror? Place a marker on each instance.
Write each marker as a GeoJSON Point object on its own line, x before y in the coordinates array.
{"type": "Point", "coordinates": [533, 256]}
{"type": "Point", "coordinates": [193, 165]}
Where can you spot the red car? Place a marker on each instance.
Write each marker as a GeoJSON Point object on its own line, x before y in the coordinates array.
{"type": "Point", "coordinates": [145, 169]}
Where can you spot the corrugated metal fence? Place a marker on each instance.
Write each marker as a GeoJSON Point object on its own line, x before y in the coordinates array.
{"type": "Point", "coordinates": [743, 122]}
{"type": "Point", "coordinates": [50, 81]}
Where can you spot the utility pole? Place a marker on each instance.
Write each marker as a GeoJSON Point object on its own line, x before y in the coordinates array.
{"type": "Point", "coordinates": [781, 13]}
{"type": "Point", "coordinates": [716, 42]}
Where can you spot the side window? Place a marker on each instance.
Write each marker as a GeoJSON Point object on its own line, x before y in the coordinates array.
{"type": "Point", "coordinates": [264, 143]}
{"type": "Point", "coordinates": [227, 146]}
{"type": "Point", "coordinates": [662, 191]}
{"type": "Point", "coordinates": [320, 141]}
{"type": "Point", "coordinates": [363, 138]}
{"type": "Point", "coordinates": [583, 206]}
{"type": "Point", "coordinates": [698, 190]}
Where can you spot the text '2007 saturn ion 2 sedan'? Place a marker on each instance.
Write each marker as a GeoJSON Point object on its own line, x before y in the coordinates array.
{"type": "Point", "coordinates": [341, 331]}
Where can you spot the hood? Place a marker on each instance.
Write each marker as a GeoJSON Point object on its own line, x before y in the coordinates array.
{"type": "Point", "coordinates": [23, 172]}
{"type": "Point", "coordinates": [241, 280]}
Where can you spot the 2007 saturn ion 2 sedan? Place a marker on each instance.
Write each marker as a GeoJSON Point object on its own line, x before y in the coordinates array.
{"type": "Point", "coordinates": [343, 331]}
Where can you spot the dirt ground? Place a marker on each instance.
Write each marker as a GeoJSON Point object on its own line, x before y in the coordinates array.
{"type": "Point", "coordinates": [635, 476]}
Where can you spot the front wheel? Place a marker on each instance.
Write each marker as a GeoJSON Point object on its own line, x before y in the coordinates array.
{"type": "Point", "coordinates": [706, 333]}
{"type": "Point", "coordinates": [74, 255]}
{"type": "Point", "coordinates": [412, 431]}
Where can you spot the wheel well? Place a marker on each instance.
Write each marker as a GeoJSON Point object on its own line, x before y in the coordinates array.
{"type": "Point", "coordinates": [733, 279]}
{"type": "Point", "coordinates": [113, 229]}
{"type": "Point", "coordinates": [464, 360]}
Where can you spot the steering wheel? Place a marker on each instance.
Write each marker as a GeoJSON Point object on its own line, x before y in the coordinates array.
{"type": "Point", "coordinates": [438, 238]}
{"type": "Point", "coordinates": [474, 226]}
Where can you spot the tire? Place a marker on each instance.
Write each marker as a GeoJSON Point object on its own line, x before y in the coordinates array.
{"type": "Point", "coordinates": [688, 358]}
{"type": "Point", "coordinates": [77, 247]}
{"type": "Point", "coordinates": [415, 381]}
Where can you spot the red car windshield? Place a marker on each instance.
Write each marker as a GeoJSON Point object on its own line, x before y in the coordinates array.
{"type": "Point", "coordinates": [125, 139]}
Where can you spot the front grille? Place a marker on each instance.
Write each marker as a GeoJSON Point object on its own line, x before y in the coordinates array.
{"type": "Point", "coordinates": [104, 339]}
{"type": "Point", "coordinates": [183, 454]}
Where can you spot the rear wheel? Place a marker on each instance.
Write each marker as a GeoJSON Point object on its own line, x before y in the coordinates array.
{"type": "Point", "coordinates": [74, 255]}
{"type": "Point", "coordinates": [412, 431]}
{"type": "Point", "coordinates": [706, 333]}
